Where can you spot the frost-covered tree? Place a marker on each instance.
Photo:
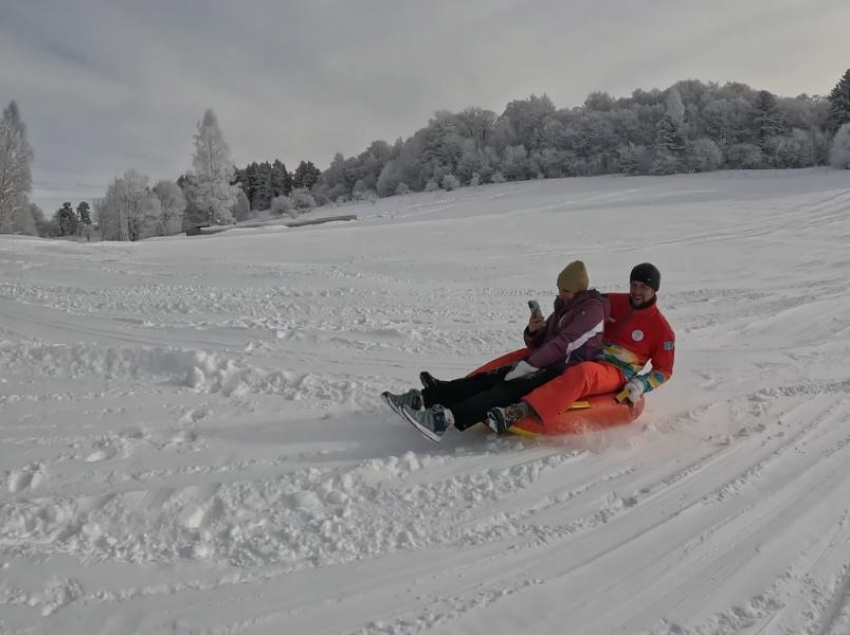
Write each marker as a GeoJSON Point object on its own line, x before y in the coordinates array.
{"type": "Point", "coordinates": [768, 122]}
{"type": "Point", "coordinates": [705, 155]}
{"type": "Point", "coordinates": [211, 191]}
{"type": "Point", "coordinates": [242, 208]}
{"type": "Point", "coordinates": [669, 149]}
{"type": "Point", "coordinates": [839, 155]}
{"type": "Point", "coordinates": [302, 200]}
{"type": "Point", "coordinates": [675, 107]}
{"type": "Point", "coordinates": [388, 180]}
{"type": "Point", "coordinates": [172, 204]}
{"type": "Point", "coordinates": [130, 210]}
{"type": "Point", "coordinates": [794, 150]}
{"type": "Point", "coordinates": [24, 222]}
{"type": "Point", "coordinates": [472, 161]}
{"type": "Point", "coordinates": [281, 205]}
{"type": "Point", "coordinates": [360, 190]}
{"type": "Point", "coordinates": [476, 125]}
{"type": "Point", "coordinates": [16, 158]}
{"type": "Point", "coordinates": [514, 165]}
{"type": "Point", "coordinates": [839, 104]}
{"type": "Point", "coordinates": [634, 159]}
{"type": "Point", "coordinates": [599, 101]}
{"type": "Point", "coordinates": [337, 182]}
{"type": "Point", "coordinates": [528, 119]}
{"type": "Point", "coordinates": [449, 182]}
{"type": "Point", "coordinates": [43, 227]}
{"type": "Point", "coordinates": [744, 156]}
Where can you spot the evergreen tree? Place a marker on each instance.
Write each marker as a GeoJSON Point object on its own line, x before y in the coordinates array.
{"type": "Point", "coordinates": [839, 104]}
{"type": "Point", "coordinates": [669, 149]}
{"type": "Point", "coordinates": [768, 120]}
{"type": "Point", "coordinates": [66, 219]}
{"type": "Point", "coordinates": [281, 180]}
{"type": "Point", "coordinates": [84, 213]}
{"type": "Point", "coordinates": [631, 158]}
{"type": "Point", "coordinates": [212, 192]}
{"type": "Point", "coordinates": [306, 175]}
{"type": "Point", "coordinates": [16, 157]}
{"type": "Point", "coordinates": [262, 186]}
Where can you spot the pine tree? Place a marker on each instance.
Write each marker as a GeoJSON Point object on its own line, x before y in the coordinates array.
{"type": "Point", "coordinates": [306, 175]}
{"type": "Point", "coordinates": [66, 219]}
{"type": "Point", "coordinates": [212, 192]}
{"type": "Point", "coordinates": [839, 104]}
{"type": "Point", "coordinates": [84, 213]}
{"type": "Point", "coordinates": [16, 157]}
{"type": "Point", "coordinates": [768, 120]}
{"type": "Point", "coordinates": [281, 179]}
{"type": "Point", "coordinates": [669, 149]}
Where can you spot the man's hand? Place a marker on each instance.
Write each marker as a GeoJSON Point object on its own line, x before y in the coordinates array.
{"type": "Point", "coordinates": [631, 391]}
{"type": "Point", "coordinates": [535, 324]}
{"type": "Point", "coordinates": [522, 369]}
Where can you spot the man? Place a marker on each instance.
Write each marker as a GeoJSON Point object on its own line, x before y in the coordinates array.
{"type": "Point", "coordinates": [572, 333]}
{"type": "Point", "coordinates": [636, 332]}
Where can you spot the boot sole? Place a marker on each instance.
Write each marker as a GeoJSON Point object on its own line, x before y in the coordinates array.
{"type": "Point", "coordinates": [428, 434]}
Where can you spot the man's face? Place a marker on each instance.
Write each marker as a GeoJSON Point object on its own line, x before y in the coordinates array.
{"type": "Point", "coordinates": [640, 293]}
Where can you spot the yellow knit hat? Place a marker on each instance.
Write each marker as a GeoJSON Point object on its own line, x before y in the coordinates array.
{"type": "Point", "coordinates": [574, 277]}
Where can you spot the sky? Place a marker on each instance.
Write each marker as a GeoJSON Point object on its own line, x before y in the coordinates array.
{"type": "Point", "coordinates": [105, 86]}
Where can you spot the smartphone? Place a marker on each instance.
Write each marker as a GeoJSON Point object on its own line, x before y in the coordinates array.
{"type": "Point", "coordinates": [534, 307]}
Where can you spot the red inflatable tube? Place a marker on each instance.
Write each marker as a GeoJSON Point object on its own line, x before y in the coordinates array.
{"type": "Point", "coordinates": [591, 413]}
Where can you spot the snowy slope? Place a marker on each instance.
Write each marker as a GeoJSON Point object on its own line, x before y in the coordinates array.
{"type": "Point", "coordinates": [191, 438]}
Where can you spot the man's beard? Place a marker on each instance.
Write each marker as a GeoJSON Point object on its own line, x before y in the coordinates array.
{"type": "Point", "coordinates": [642, 305]}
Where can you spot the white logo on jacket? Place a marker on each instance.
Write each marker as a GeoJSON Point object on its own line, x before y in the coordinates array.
{"type": "Point", "coordinates": [637, 335]}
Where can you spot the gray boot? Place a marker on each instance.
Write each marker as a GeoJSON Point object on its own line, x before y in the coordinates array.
{"type": "Point", "coordinates": [412, 399]}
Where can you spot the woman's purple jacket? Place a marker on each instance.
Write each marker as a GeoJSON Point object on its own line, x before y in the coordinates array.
{"type": "Point", "coordinates": [573, 332]}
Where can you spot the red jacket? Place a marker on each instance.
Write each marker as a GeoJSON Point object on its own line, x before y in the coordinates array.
{"type": "Point", "coordinates": [634, 337]}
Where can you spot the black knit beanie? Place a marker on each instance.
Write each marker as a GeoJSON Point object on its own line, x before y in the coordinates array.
{"type": "Point", "coordinates": [648, 274]}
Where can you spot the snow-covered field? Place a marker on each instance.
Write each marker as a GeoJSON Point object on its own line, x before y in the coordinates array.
{"type": "Point", "coordinates": [191, 438]}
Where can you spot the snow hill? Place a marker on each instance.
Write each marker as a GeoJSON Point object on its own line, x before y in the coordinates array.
{"type": "Point", "coordinates": [191, 439]}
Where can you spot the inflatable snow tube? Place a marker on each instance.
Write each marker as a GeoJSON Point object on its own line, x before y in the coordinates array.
{"type": "Point", "coordinates": [595, 412]}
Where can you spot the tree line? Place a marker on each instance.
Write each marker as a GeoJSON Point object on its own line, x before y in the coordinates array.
{"type": "Point", "coordinates": [690, 127]}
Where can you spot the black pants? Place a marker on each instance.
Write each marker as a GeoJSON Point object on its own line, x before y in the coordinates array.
{"type": "Point", "coordinates": [469, 398]}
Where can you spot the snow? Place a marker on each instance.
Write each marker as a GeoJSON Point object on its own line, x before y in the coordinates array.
{"type": "Point", "coordinates": [192, 440]}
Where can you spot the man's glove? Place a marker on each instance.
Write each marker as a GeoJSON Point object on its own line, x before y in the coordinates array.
{"type": "Point", "coordinates": [522, 369]}
{"type": "Point", "coordinates": [631, 391]}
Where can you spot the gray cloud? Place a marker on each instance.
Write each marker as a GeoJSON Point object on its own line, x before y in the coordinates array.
{"type": "Point", "coordinates": [109, 85]}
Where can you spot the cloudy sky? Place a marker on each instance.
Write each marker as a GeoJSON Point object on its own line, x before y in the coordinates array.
{"type": "Point", "coordinates": [109, 85]}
